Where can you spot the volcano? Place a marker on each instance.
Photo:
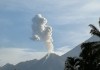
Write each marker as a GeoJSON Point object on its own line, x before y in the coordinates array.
{"type": "Point", "coordinates": [51, 62]}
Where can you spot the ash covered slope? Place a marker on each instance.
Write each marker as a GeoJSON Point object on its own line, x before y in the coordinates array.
{"type": "Point", "coordinates": [76, 51]}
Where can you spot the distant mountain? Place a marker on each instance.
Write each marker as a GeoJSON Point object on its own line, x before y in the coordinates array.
{"type": "Point", "coordinates": [52, 62]}
{"type": "Point", "coordinates": [7, 67]}
{"type": "Point", "coordinates": [48, 62]}
{"type": "Point", "coordinates": [73, 53]}
{"type": "Point", "coordinates": [28, 65]}
{"type": "Point", "coordinates": [76, 51]}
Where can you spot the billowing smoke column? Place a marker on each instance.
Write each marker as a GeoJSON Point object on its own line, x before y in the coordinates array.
{"type": "Point", "coordinates": [42, 31]}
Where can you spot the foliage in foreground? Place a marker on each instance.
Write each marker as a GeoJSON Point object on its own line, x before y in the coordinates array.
{"type": "Point", "coordinates": [89, 58]}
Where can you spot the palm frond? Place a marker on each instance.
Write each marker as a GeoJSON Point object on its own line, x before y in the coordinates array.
{"type": "Point", "coordinates": [99, 21]}
{"type": "Point", "coordinates": [93, 27]}
{"type": "Point", "coordinates": [94, 30]}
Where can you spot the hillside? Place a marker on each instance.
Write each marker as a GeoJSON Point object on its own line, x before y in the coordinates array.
{"type": "Point", "coordinates": [51, 62]}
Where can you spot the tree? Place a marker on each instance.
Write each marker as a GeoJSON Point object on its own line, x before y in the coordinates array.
{"type": "Point", "coordinates": [72, 63]}
{"type": "Point", "coordinates": [90, 55]}
{"type": "Point", "coordinates": [89, 58]}
{"type": "Point", "coordinates": [94, 30]}
{"type": "Point", "coordinates": [91, 52]}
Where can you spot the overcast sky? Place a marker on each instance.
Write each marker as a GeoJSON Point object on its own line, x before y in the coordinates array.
{"type": "Point", "coordinates": [68, 18]}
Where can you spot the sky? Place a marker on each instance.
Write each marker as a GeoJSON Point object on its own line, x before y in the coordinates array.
{"type": "Point", "coordinates": [68, 18]}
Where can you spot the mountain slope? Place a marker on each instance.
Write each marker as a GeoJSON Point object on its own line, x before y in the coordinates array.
{"type": "Point", "coordinates": [8, 67]}
{"type": "Point", "coordinates": [26, 65]}
{"type": "Point", "coordinates": [76, 51]}
{"type": "Point", "coordinates": [51, 62]}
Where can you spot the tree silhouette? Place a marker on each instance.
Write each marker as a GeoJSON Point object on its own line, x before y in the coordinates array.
{"type": "Point", "coordinates": [90, 55]}
{"type": "Point", "coordinates": [72, 63]}
{"type": "Point", "coordinates": [89, 58]}
{"type": "Point", "coordinates": [94, 30]}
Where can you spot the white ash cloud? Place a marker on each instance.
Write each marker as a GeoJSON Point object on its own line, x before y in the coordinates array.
{"type": "Point", "coordinates": [42, 31]}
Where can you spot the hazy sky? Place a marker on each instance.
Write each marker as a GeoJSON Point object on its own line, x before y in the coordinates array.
{"type": "Point", "coordinates": [68, 18]}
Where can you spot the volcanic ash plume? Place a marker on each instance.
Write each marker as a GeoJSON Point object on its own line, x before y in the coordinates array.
{"type": "Point", "coordinates": [42, 31]}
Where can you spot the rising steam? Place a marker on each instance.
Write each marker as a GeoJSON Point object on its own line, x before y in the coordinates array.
{"type": "Point", "coordinates": [42, 31]}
